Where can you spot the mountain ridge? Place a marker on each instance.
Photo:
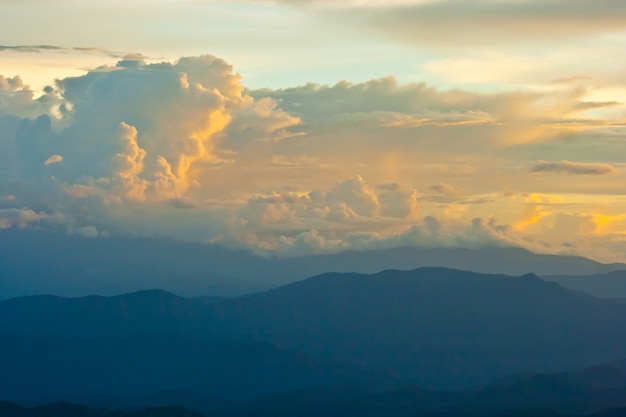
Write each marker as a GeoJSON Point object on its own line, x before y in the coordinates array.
{"type": "Point", "coordinates": [438, 327]}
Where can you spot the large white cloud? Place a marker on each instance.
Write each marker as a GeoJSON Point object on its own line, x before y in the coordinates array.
{"type": "Point", "coordinates": [140, 128]}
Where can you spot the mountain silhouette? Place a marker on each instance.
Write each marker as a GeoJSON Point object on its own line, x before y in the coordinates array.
{"type": "Point", "coordinates": [49, 368]}
{"type": "Point", "coordinates": [556, 395]}
{"type": "Point", "coordinates": [432, 327]}
{"type": "Point", "coordinates": [443, 328]}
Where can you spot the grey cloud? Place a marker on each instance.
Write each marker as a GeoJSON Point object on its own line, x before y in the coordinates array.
{"type": "Point", "coordinates": [589, 105]}
{"type": "Point", "coordinates": [79, 49]}
{"type": "Point", "coordinates": [482, 22]}
{"type": "Point", "coordinates": [574, 168]}
{"type": "Point", "coordinates": [30, 48]}
{"type": "Point", "coordinates": [477, 23]}
{"type": "Point", "coordinates": [385, 101]}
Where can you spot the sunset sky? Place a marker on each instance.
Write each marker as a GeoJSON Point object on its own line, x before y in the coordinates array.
{"type": "Point", "coordinates": [293, 127]}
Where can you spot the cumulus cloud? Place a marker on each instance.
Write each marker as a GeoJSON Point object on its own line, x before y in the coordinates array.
{"type": "Point", "coordinates": [351, 200]}
{"type": "Point", "coordinates": [18, 100]}
{"type": "Point", "coordinates": [184, 150]}
{"type": "Point", "coordinates": [574, 168]}
{"type": "Point", "coordinates": [139, 129]}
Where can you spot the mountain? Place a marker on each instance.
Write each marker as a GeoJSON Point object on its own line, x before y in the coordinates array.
{"type": "Point", "coordinates": [609, 285]}
{"type": "Point", "coordinates": [531, 395]}
{"type": "Point", "coordinates": [443, 328]}
{"type": "Point", "coordinates": [432, 327]}
{"type": "Point", "coordinates": [573, 393]}
{"type": "Point", "coordinates": [34, 263]}
{"type": "Point", "coordinates": [49, 368]}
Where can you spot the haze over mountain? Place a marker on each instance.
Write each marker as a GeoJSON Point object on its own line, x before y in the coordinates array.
{"type": "Point", "coordinates": [610, 285]}
{"type": "Point", "coordinates": [434, 327]}
{"type": "Point", "coordinates": [49, 263]}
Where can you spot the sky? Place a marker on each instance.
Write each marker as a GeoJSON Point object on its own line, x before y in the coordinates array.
{"type": "Point", "coordinates": [293, 127]}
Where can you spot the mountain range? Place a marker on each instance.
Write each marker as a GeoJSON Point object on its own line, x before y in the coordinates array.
{"type": "Point", "coordinates": [37, 262]}
{"type": "Point", "coordinates": [435, 328]}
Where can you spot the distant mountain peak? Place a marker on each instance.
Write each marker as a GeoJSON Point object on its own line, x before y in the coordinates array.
{"type": "Point", "coordinates": [152, 293]}
{"type": "Point", "coordinates": [530, 276]}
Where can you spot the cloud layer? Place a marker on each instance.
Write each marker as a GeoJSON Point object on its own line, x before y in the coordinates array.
{"type": "Point", "coordinates": [455, 21]}
{"type": "Point", "coordinates": [185, 150]}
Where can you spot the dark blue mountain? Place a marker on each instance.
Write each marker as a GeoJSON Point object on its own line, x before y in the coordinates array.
{"type": "Point", "coordinates": [432, 327]}
{"type": "Point", "coordinates": [54, 368]}
{"type": "Point", "coordinates": [443, 328]}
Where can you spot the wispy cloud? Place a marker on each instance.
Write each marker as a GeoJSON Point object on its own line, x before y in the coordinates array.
{"type": "Point", "coordinates": [574, 168]}
{"type": "Point", "coordinates": [64, 49]}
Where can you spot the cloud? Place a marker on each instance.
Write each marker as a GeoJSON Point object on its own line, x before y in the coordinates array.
{"type": "Point", "coordinates": [447, 190]}
{"type": "Point", "coordinates": [56, 48]}
{"type": "Point", "coordinates": [571, 80]}
{"type": "Point", "coordinates": [589, 105]}
{"type": "Point", "coordinates": [283, 161]}
{"type": "Point", "coordinates": [485, 22]}
{"type": "Point", "coordinates": [84, 231]}
{"type": "Point", "coordinates": [30, 48]}
{"type": "Point", "coordinates": [18, 100]}
{"type": "Point", "coordinates": [54, 159]}
{"type": "Point", "coordinates": [574, 168]}
{"type": "Point", "coordinates": [384, 102]}
{"type": "Point", "coordinates": [18, 217]}
{"type": "Point", "coordinates": [349, 200]}
{"type": "Point", "coordinates": [136, 129]}
{"type": "Point", "coordinates": [184, 150]}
